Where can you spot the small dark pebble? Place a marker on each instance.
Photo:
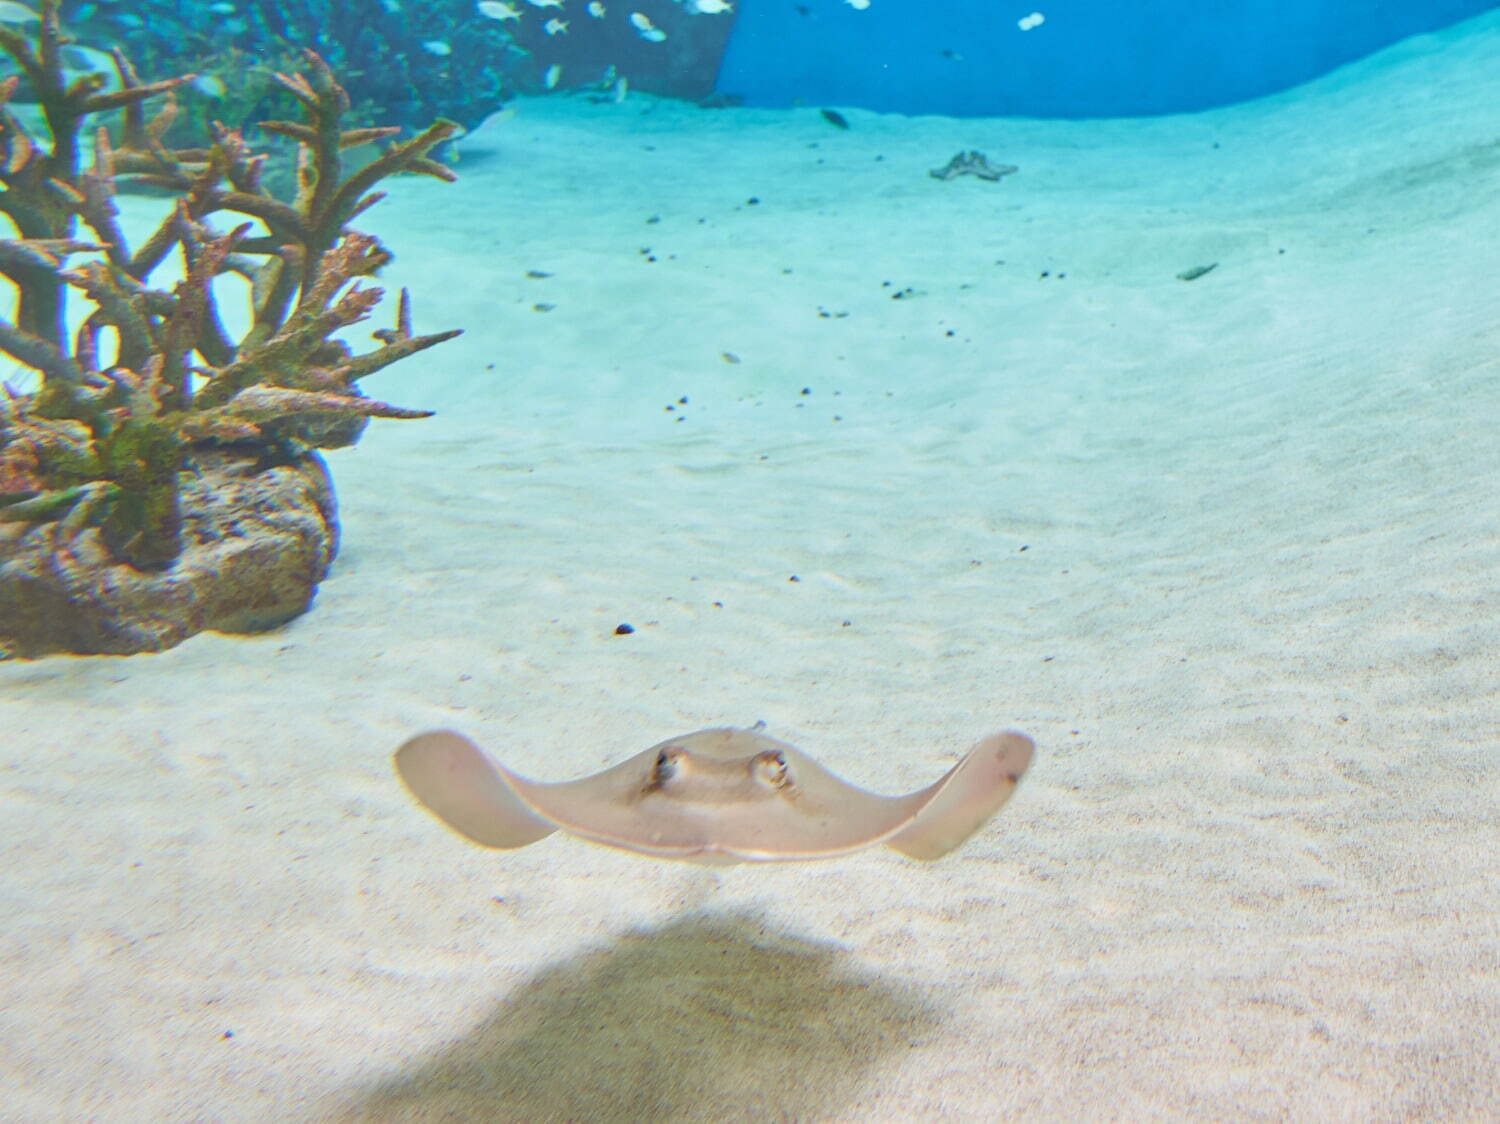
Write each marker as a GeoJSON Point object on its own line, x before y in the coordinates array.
{"type": "Point", "coordinates": [794, 578]}
{"type": "Point", "coordinates": [623, 629]}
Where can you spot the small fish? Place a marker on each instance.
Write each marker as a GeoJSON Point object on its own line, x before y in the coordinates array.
{"type": "Point", "coordinates": [498, 10]}
{"type": "Point", "coordinates": [437, 47]}
{"type": "Point", "coordinates": [1026, 23]}
{"type": "Point", "coordinates": [835, 118]}
{"type": "Point", "coordinates": [622, 87]}
{"type": "Point", "coordinates": [712, 7]}
{"type": "Point", "coordinates": [222, 8]}
{"type": "Point", "coordinates": [596, 9]}
{"type": "Point", "coordinates": [545, 3]}
{"type": "Point", "coordinates": [11, 12]}
{"type": "Point", "coordinates": [648, 31]}
{"type": "Point", "coordinates": [209, 85]}
{"type": "Point", "coordinates": [75, 57]}
{"type": "Point", "coordinates": [858, 5]}
{"type": "Point", "coordinates": [555, 27]}
{"type": "Point", "coordinates": [549, 79]}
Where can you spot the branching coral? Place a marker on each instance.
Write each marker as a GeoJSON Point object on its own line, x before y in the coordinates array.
{"type": "Point", "coordinates": [106, 438]}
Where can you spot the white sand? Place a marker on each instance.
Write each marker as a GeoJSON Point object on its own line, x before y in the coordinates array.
{"type": "Point", "coordinates": [1227, 548]}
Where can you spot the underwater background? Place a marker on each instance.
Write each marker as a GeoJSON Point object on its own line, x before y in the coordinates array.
{"type": "Point", "coordinates": [1081, 58]}
{"type": "Point", "coordinates": [1172, 444]}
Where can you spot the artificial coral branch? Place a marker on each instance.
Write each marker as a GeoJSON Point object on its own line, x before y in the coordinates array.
{"type": "Point", "coordinates": [178, 378]}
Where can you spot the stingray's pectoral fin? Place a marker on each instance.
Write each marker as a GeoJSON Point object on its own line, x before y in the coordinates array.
{"type": "Point", "coordinates": [971, 792]}
{"type": "Point", "coordinates": [461, 786]}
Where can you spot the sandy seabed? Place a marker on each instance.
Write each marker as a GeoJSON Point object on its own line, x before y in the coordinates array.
{"type": "Point", "coordinates": [1228, 548]}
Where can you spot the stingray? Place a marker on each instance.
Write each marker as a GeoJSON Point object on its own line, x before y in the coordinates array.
{"type": "Point", "coordinates": [716, 796]}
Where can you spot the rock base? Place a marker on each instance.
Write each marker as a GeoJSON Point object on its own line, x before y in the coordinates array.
{"type": "Point", "coordinates": [256, 543]}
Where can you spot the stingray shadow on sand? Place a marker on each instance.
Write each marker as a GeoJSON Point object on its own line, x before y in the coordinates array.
{"type": "Point", "coordinates": [717, 1017]}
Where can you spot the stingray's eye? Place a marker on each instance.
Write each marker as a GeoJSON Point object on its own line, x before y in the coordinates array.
{"type": "Point", "coordinates": [666, 765]}
{"type": "Point", "coordinates": [771, 767]}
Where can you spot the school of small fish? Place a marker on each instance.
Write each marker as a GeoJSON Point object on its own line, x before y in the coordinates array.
{"type": "Point", "coordinates": [510, 11]}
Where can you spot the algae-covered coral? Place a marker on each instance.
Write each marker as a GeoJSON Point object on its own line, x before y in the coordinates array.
{"type": "Point", "coordinates": [151, 382]}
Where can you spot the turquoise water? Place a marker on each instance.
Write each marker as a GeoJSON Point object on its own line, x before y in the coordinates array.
{"type": "Point", "coordinates": [1069, 58]}
{"type": "Point", "coordinates": [414, 60]}
{"type": "Point", "coordinates": [1173, 447]}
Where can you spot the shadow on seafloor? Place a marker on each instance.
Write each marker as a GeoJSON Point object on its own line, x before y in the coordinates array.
{"type": "Point", "coordinates": [708, 1017]}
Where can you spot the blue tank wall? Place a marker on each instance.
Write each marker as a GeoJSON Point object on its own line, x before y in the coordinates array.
{"type": "Point", "coordinates": [1090, 58]}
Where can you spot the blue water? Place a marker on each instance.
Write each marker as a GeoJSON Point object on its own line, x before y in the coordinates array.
{"type": "Point", "coordinates": [889, 461]}
{"type": "Point", "coordinates": [1089, 58]}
